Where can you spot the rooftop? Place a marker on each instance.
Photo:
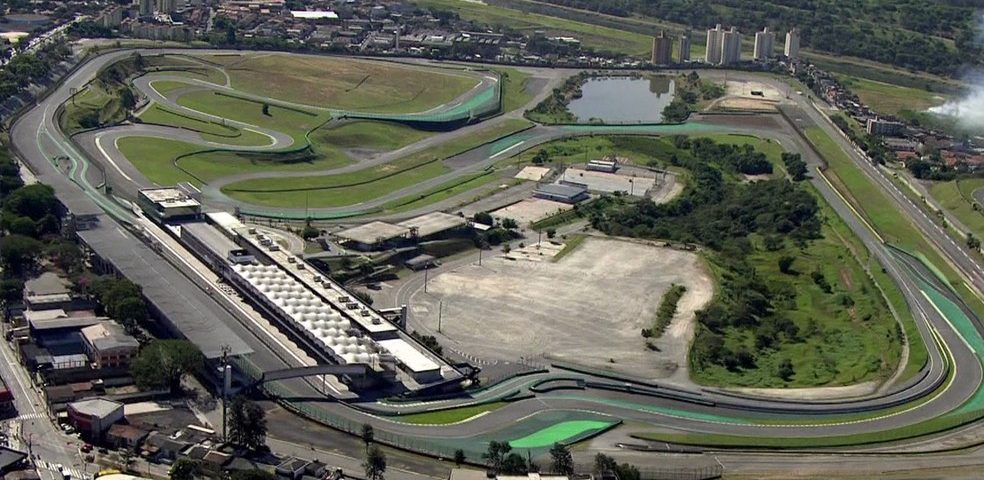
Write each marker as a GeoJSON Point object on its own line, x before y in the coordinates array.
{"type": "Point", "coordinates": [561, 190]}
{"type": "Point", "coordinates": [48, 283]}
{"type": "Point", "coordinates": [210, 236]}
{"type": "Point", "coordinates": [313, 15]}
{"type": "Point", "coordinates": [373, 232]}
{"type": "Point", "coordinates": [184, 304]}
{"type": "Point", "coordinates": [412, 358]}
{"type": "Point", "coordinates": [308, 311]}
{"type": "Point", "coordinates": [96, 407]}
{"type": "Point", "coordinates": [169, 197]}
{"type": "Point", "coordinates": [62, 322]}
{"type": "Point", "coordinates": [432, 223]}
{"type": "Point", "coordinates": [107, 336]}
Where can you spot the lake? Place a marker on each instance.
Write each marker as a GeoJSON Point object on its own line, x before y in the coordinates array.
{"type": "Point", "coordinates": [623, 99]}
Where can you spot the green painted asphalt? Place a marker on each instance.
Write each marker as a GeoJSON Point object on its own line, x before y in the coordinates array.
{"type": "Point", "coordinates": [558, 433]}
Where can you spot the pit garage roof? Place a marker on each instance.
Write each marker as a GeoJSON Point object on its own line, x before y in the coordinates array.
{"type": "Point", "coordinates": [373, 232]}
{"type": "Point", "coordinates": [210, 237]}
{"type": "Point", "coordinates": [408, 355]}
{"type": "Point", "coordinates": [435, 222]}
{"type": "Point", "coordinates": [184, 304]}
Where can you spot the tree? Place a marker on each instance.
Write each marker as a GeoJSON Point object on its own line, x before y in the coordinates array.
{"type": "Point", "coordinates": [184, 469]}
{"type": "Point", "coordinates": [375, 464]}
{"type": "Point", "coordinates": [514, 464]}
{"type": "Point", "coordinates": [973, 242]}
{"type": "Point", "coordinates": [509, 224]}
{"type": "Point", "coordinates": [495, 454]}
{"type": "Point", "coordinates": [310, 232]}
{"type": "Point", "coordinates": [459, 457]}
{"type": "Point", "coordinates": [18, 253]}
{"type": "Point", "coordinates": [32, 201]}
{"type": "Point", "coordinates": [563, 461]}
{"type": "Point", "coordinates": [786, 263]}
{"type": "Point", "coordinates": [131, 312]}
{"type": "Point", "coordinates": [541, 157]}
{"type": "Point", "coordinates": [162, 363]}
{"type": "Point", "coordinates": [11, 289]}
{"type": "Point", "coordinates": [266, 109]}
{"type": "Point", "coordinates": [368, 435]}
{"type": "Point", "coordinates": [484, 218]}
{"type": "Point", "coordinates": [603, 464]}
{"type": "Point", "coordinates": [126, 459]}
{"type": "Point", "coordinates": [22, 226]}
{"type": "Point", "coordinates": [551, 232]}
{"type": "Point", "coordinates": [785, 370]}
{"type": "Point", "coordinates": [247, 423]}
{"type": "Point", "coordinates": [254, 474]}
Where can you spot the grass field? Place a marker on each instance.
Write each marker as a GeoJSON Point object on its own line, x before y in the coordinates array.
{"type": "Point", "coordinates": [593, 36]}
{"type": "Point", "coordinates": [956, 196]}
{"type": "Point", "coordinates": [446, 417]}
{"type": "Point", "coordinates": [442, 192]}
{"type": "Point", "coordinates": [165, 87]}
{"type": "Point", "coordinates": [881, 212]}
{"type": "Point", "coordinates": [889, 99]}
{"type": "Point", "coordinates": [356, 187]}
{"type": "Point", "coordinates": [367, 135]}
{"type": "Point", "coordinates": [155, 158]}
{"type": "Point", "coordinates": [514, 93]}
{"type": "Point", "coordinates": [294, 122]}
{"type": "Point", "coordinates": [93, 98]}
{"type": "Point", "coordinates": [357, 85]}
{"type": "Point", "coordinates": [210, 131]}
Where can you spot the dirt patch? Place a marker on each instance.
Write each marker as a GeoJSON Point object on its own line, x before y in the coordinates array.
{"type": "Point", "coordinates": [588, 308]}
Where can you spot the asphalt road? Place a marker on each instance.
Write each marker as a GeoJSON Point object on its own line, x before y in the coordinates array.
{"type": "Point", "coordinates": [37, 139]}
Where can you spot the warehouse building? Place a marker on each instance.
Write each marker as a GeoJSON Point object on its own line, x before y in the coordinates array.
{"type": "Point", "coordinates": [93, 417]}
{"type": "Point", "coordinates": [382, 235]}
{"type": "Point", "coordinates": [565, 193]}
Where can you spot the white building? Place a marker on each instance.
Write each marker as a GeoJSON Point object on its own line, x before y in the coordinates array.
{"type": "Point", "coordinates": [764, 44]}
{"type": "Point", "coordinates": [730, 47]}
{"type": "Point", "coordinates": [792, 44]}
{"type": "Point", "coordinates": [712, 53]}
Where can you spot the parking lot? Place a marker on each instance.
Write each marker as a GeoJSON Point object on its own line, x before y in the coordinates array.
{"type": "Point", "coordinates": [589, 307]}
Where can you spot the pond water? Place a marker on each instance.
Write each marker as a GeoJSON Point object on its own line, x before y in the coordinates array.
{"type": "Point", "coordinates": [623, 99]}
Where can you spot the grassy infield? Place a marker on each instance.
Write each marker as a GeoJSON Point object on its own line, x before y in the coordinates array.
{"type": "Point", "coordinates": [375, 84]}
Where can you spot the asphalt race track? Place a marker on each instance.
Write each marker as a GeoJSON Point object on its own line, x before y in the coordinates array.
{"type": "Point", "coordinates": [949, 387]}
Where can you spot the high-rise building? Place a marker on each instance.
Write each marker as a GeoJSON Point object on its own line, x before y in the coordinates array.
{"type": "Point", "coordinates": [764, 44]}
{"type": "Point", "coordinates": [662, 49]}
{"type": "Point", "coordinates": [730, 47]}
{"type": "Point", "coordinates": [712, 52]}
{"type": "Point", "coordinates": [146, 8]}
{"type": "Point", "coordinates": [792, 44]}
{"type": "Point", "coordinates": [684, 48]}
{"type": "Point", "coordinates": [165, 6]}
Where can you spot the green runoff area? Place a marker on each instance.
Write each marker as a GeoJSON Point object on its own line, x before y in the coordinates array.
{"type": "Point", "coordinates": [449, 416]}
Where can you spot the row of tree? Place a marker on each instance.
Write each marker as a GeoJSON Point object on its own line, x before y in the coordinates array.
{"type": "Point", "coordinates": [720, 213]}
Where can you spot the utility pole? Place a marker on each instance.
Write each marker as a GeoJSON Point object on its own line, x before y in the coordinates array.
{"type": "Point", "coordinates": [480, 256]}
{"type": "Point", "coordinates": [226, 380]}
{"type": "Point", "coordinates": [425, 279]}
{"type": "Point", "coordinates": [440, 315]}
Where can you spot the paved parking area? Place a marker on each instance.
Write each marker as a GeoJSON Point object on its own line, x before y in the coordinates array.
{"type": "Point", "coordinates": [531, 210]}
{"type": "Point", "coordinates": [589, 307]}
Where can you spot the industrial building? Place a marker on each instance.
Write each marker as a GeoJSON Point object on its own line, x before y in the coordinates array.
{"type": "Point", "coordinates": [712, 48]}
{"type": "Point", "coordinates": [608, 164]}
{"type": "Point", "coordinates": [792, 48]}
{"type": "Point", "coordinates": [338, 327]}
{"type": "Point", "coordinates": [94, 417]}
{"type": "Point", "coordinates": [108, 345]}
{"type": "Point", "coordinates": [662, 49]}
{"type": "Point", "coordinates": [379, 235]}
{"type": "Point", "coordinates": [566, 193]}
{"type": "Point", "coordinates": [684, 56]}
{"type": "Point", "coordinates": [764, 45]}
{"type": "Point", "coordinates": [164, 204]}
